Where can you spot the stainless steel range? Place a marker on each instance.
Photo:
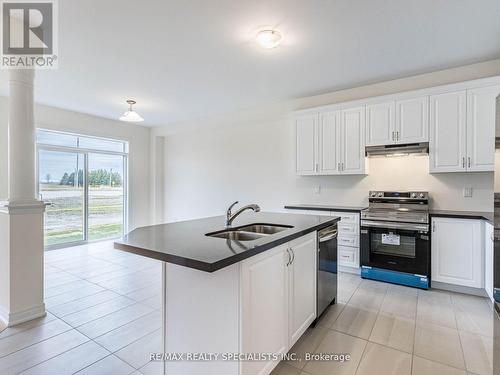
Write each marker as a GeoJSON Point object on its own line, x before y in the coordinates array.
{"type": "Point", "coordinates": [395, 238]}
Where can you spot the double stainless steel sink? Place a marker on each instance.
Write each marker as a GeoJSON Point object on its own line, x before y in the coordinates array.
{"type": "Point", "coordinates": [249, 232]}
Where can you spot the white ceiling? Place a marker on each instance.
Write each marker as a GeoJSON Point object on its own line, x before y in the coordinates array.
{"type": "Point", "coordinates": [187, 59]}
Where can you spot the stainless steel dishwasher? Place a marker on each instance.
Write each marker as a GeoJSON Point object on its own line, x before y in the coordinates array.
{"type": "Point", "coordinates": [327, 269]}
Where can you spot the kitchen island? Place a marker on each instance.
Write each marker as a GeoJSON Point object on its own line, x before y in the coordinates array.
{"type": "Point", "coordinates": [224, 295]}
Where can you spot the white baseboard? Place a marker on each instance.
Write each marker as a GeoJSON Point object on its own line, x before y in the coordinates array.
{"type": "Point", "coordinates": [345, 269]}
{"type": "Point", "coordinates": [12, 319]}
{"type": "Point", "coordinates": [459, 289]}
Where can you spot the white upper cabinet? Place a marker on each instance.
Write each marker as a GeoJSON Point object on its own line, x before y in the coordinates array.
{"type": "Point", "coordinates": [331, 142]}
{"type": "Point", "coordinates": [329, 138]}
{"type": "Point", "coordinates": [306, 127]}
{"type": "Point", "coordinates": [457, 120]}
{"type": "Point", "coordinates": [398, 122]}
{"type": "Point", "coordinates": [380, 124]}
{"type": "Point", "coordinates": [447, 146]}
{"type": "Point", "coordinates": [481, 113]}
{"type": "Point", "coordinates": [353, 141]}
{"type": "Point", "coordinates": [462, 127]}
{"type": "Point", "coordinates": [412, 120]}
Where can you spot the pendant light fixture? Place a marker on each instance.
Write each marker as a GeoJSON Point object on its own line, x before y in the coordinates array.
{"type": "Point", "coordinates": [131, 115]}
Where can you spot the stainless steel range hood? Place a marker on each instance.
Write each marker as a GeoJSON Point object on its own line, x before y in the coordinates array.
{"type": "Point", "coordinates": [398, 150]}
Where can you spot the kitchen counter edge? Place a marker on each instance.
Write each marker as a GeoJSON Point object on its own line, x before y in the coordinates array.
{"type": "Point", "coordinates": [325, 208]}
{"type": "Point", "coordinates": [212, 267]}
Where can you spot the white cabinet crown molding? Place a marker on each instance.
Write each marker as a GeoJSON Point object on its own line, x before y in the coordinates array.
{"type": "Point", "coordinates": [428, 91]}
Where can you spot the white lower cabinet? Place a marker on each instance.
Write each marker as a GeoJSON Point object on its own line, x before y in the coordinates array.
{"type": "Point", "coordinates": [264, 307]}
{"type": "Point", "coordinates": [278, 300]}
{"type": "Point", "coordinates": [348, 256]}
{"type": "Point", "coordinates": [457, 251]}
{"type": "Point", "coordinates": [302, 287]}
{"type": "Point", "coordinates": [488, 259]}
{"type": "Point", "coordinates": [348, 241]}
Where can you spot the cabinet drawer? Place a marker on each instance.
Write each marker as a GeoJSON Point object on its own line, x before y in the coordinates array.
{"type": "Point", "coordinates": [347, 256]}
{"type": "Point", "coordinates": [349, 229]}
{"type": "Point", "coordinates": [348, 240]}
{"type": "Point", "coordinates": [347, 217]}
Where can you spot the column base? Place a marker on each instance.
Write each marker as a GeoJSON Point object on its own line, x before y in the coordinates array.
{"type": "Point", "coordinates": [9, 319]}
{"type": "Point", "coordinates": [21, 261]}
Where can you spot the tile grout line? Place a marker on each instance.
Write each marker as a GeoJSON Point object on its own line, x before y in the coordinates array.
{"type": "Point", "coordinates": [124, 360]}
{"type": "Point", "coordinates": [114, 329]}
{"type": "Point", "coordinates": [459, 337]}
{"type": "Point", "coordinates": [36, 343]}
{"type": "Point", "coordinates": [48, 359]}
{"type": "Point", "coordinates": [317, 346]}
{"type": "Point", "coordinates": [102, 316]}
{"type": "Point", "coordinates": [89, 307]}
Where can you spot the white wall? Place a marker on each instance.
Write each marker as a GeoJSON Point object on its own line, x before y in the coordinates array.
{"type": "Point", "coordinates": [250, 157]}
{"type": "Point", "coordinates": [62, 120]}
{"type": "Point", "coordinates": [207, 170]}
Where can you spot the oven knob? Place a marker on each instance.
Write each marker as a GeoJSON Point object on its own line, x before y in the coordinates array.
{"type": "Point", "coordinates": [380, 195]}
{"type": "Point", "coordinates": [413, 195]}
{"type": "Point", "coordinates": [373, 194]}
{"type": "Point", "coordinates": [422, 195]}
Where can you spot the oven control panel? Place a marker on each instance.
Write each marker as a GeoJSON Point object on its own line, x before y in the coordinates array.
{"type": "Point", "coordinates": [416, 195]}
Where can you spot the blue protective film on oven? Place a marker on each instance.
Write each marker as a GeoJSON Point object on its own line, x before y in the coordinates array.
{"type": "Point", "coordinates": [395, 277]}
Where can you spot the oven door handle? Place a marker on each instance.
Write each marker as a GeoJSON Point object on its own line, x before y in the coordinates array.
{"type": "Point", "coordinates": [407, 226]}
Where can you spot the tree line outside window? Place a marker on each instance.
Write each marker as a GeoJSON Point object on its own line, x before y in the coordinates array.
{"type": "Point", "coordinates": [98, 177]}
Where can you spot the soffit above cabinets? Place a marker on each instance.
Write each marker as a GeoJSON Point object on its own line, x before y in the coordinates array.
{"type": "Point", "coordinates": [428, 91]}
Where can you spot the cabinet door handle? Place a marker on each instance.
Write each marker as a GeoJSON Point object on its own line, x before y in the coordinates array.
{"type": "Point", "coordinates": [469, 161]}
{"type": "Point", "coordinates": [293, 256]}
{"type": "Point", "coordinates": [393, 137]}
{"type": "Point", "coordinates": [338, 167]}
{"type": "Point", "coordinates": [316, 167]}
{"type": "Point", "coordinates": [433, 227]}
{"type": "Point", "coordinates": [289, 257]}
{"type": "Point", "coordinates": [342, 166]}
{"type": "Point", "coordinates": [397, 136]}
{"type": "Point", "coordinates": [463, 162]}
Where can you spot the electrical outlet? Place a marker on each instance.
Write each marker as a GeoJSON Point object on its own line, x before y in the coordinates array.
{"type": "Point", "coordinates": [467, 192]}
{"type": "Point", "coordinates": [317, 189]}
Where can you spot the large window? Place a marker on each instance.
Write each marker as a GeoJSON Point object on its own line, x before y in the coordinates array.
{"type": "Point", "coordinates": [84, 181]}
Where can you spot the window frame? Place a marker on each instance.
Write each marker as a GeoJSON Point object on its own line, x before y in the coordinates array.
{"type": "Point", "coordinates": [86, 152]}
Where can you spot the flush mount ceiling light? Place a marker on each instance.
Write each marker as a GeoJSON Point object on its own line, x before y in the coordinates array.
{"type": "Point", "coordinates": [131, 115]}
{"type": "Point", "coordinates": [269, 38]}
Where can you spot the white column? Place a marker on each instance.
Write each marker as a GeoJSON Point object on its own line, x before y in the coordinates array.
{"type": "Point", "coordinates": [21, 136]}
{"type": "Point", "coordinates": [21, 216]}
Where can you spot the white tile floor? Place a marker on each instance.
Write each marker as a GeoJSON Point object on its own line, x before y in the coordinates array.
{"type": "Point", "coordinates": [104, 318]}
{"type": "Point", "coordinates": [390, 329]}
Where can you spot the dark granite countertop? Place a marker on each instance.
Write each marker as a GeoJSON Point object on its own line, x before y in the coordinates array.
{"type": "Point", "coordinates": [186, 244]}
{"type": "Point", "coordinates": [488, 216]}
{"type": "Point", "coordinates": [320, 207]}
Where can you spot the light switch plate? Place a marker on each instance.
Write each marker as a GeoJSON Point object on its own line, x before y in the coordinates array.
{"type": "Point", "coordinates": [467, 192]}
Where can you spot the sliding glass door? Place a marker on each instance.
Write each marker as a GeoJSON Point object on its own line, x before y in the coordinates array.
{"type": "Point", "coordinates": [61, 184]}
{"type": "Point", "coordinates": [106, 196]}
{"type": "Point", "coordinates": [84, 180]}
